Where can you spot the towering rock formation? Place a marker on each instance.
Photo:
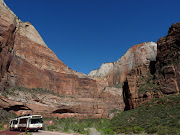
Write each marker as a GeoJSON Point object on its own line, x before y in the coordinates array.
{"type": "Point", "coordinates": [159, 78]}
{"type": "Point", "coordinates": [130, 72]}
{"type": "Point", "coordinates": [116, 72]}
{"type": "Point", "coordinates": [168, 61]}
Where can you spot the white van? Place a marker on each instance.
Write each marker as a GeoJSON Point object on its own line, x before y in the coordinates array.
{"type": "Point", "coordinates": [27, 123]}
{"type": "Point", "coordinates": [13, 124]}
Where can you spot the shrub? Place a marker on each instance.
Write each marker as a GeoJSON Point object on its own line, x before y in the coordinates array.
{"type": "Point", "coordinates": [162, 115]}
{"type": "Point", "coordinates": [138, 129]}
{"type": "Point", "coordinates": [1, 125]}
{"type": "Point", "coordinates": [51, 127]}
{"type": "Point", "coordinates": [152, 129]}
{"type": "Point", "coordinates": [108, 131]}
{"type": "Point", "coordinates": [33, 92]}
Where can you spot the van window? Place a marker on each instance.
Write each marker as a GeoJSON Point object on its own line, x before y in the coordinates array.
{"type": "Point", "coordinates": [34, 121]}
{"type": "Point", "coordinates": [23, 121]}
{"type": "Point", "coordinates": [15, 121]}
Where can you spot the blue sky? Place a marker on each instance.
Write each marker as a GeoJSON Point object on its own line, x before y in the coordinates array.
{"type": "Point", "coordinates": [86, 33]}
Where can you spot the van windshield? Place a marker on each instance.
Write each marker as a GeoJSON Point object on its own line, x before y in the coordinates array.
{"type": "Point", "coordinates": [35, 121]}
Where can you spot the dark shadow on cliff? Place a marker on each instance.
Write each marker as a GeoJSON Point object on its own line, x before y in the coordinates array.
{"type": "Point", "coordinates": [127, 97]}
{"type": "Point", "coordinates": [152, 67]}
{"type": "Point", "coordinates": [17, 108]}
{"type": "Point", "coordinates": [60, 111]}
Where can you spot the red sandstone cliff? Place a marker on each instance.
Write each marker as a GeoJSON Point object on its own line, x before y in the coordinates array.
{"type": "Point", "coordinates": [168, 61]}
{"type": "Point", "coordinates": [26, 61]}
{"type": "Point", "coordinates": [131, 73]}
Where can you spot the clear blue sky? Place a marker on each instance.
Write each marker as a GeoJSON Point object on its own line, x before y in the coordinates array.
{"type": "Point", "coordinates": [86, 33]}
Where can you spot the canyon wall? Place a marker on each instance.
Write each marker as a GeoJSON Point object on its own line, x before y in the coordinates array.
{"type": "Point", "coordinates": [133, 74]}
{"type": "Point", "coordinates": [160, 78]}
{"type": "Point", "coordinates": [145, 71]}
{"type": "Point", "coordinates": [26, 61]}
{"type": "Point", "coordinates": [168, 61]}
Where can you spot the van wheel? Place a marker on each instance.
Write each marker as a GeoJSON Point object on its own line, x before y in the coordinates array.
{"type": "Point", "coordinates": [10, 129]}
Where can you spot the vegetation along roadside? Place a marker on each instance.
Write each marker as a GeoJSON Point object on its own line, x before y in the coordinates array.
{"type": "Point", "coordinates": [159, 116]}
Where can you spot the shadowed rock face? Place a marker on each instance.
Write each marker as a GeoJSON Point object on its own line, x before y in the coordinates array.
{"type": "Point", "coordinates": [139, 86]}
{"type": "Point", "coordinates": [7, 38]}
{"type": "Point", "coordinates": [26, 61]}
{"type": "Point", "coordinates": [168, 61]}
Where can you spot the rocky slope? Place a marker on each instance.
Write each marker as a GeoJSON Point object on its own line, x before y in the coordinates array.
{"type": "Point", "coordinates": [26, 61]}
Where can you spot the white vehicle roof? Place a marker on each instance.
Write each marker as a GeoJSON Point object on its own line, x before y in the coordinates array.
{"type": "Point", "coordinates": [28, 116]}
{"type": "Point", "coordinates": [14, 119]}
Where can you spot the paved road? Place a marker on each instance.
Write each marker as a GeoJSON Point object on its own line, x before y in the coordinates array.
{"type": "Point", "coordinates": [8, 132]}
{"type": "Point", "coordinates": [50, 133]}
{"type": "Point", "coordinates": [40, 132]}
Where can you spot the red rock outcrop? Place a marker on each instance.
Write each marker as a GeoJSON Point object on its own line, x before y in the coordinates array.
{"type": "Point", "coordinates": [130, 73]}
{"type": "Point", "coordinates": [168, 61]}
{"type": "Point", "coordinates": [157, 79]}
{"type": "Point", "coordinates": [139, 86]}
{"type": "Point", "coordinates": [26, 61]}
{"type": "Point", "coordinates": [137, 62]}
